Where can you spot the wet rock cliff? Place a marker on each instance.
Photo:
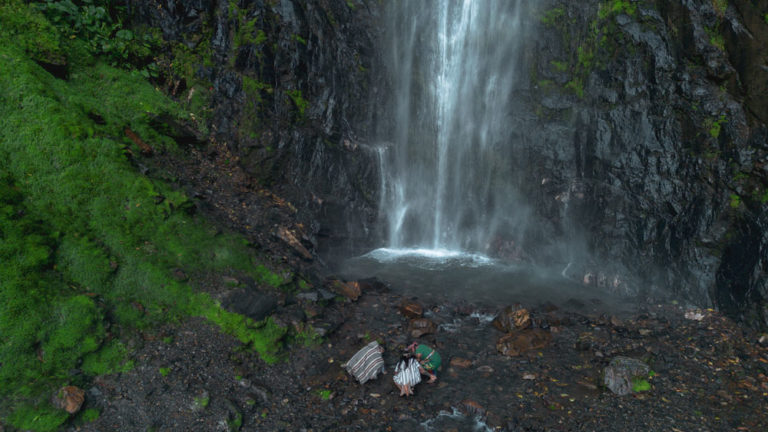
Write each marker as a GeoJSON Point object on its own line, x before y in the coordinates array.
{"type": "Point", "coordinates": [286, 86]}
{"type": "Point", "coordinates": [643, 130]}
{"type": "Point", "coordinates": [650, 142]}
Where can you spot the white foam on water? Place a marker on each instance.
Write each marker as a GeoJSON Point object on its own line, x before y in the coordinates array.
{"type": "Point", "coordinates": [446, 420]}
{"type": "Point", "coordinates": [423, 257]}
{"type": "Point", "coordinates": [483, 318]}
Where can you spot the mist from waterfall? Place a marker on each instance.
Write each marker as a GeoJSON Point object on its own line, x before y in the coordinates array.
{"type": "Point", "coordinates": [448, 177]}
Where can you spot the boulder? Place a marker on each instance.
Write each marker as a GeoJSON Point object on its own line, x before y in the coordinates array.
{"type": "Point", "coordinates": [69, 398]}
{"type": "Point", "coordinates": [289, 237]}
{"type": "Point", "coordinates": [421, 326]}
{"type": "Point", "coordinates": [619, 375]}
{"type": "Point", "coordinates": [411, 309]}
{"type": "Point", "coordinates": [512, 318]}
{"type": "Point", "coordinates": [251, 303]}
{"type": "Point", "coordinates": [350, 290]}
{"type": "Point", "coordinates": [518, 342]}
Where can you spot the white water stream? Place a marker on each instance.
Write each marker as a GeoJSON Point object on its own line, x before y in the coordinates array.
{"type": "Point", "coordinates": [448, 181]}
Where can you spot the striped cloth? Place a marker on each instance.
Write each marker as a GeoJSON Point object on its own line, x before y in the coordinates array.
{"type": "Point", "coordinates": [407, 372]}
{"type": "Point", "coordinates": [366, 363]}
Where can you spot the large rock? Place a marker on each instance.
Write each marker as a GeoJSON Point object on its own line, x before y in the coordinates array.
{"type": "Point", "coordinates": [251, 303]}
{"type": "Point", "coordinates": [350, 290]}
{"type": "Point", "coordinates": [411, 309]}
{"type": "Point", "coordinates": [69, 398]}
{"type": "Point", "coordinates": [421, 326]}
{"type": "Point", "coordinates": [520, 341]}
{"type": "Point", "coordinates": [512, 318]}
{"type": "Point", "coordinates": [618, 376]}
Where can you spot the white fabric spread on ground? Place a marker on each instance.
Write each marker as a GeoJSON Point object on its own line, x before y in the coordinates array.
{"type": "Point", "coordinates": [366, 363]}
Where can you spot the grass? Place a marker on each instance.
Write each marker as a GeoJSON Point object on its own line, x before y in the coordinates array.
{"type": "Point", "coordinates": [88, 243]}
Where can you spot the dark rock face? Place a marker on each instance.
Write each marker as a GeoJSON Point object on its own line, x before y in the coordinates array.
{"type": "Point", "coordinates": [644, 135]}
{"type": "Point", "coordinates": [290, 93]}
{"type": "Point", "coordinates": [650, 139]}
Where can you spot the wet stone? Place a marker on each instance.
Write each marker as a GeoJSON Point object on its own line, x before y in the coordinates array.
{"type": "Point", "coordinates": [411, 309]}
{"type": "Point", "coordinates": [421, 326]}
{"type": "Point", "coordinates": [512, 318]}
{"type": "Point", "coordinates": [69, 398]}
{"type": "Point", "coordinates": [350, 290]}
{"type": "Point", "coordinates": [461, 362]}
{"type": "Point", "coordinates": [516, 343]}
{"type": "Point", "coordinates": [621, 371]}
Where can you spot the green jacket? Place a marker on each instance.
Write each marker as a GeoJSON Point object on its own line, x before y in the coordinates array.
{"type": "Point", "coordinates": [430, 359]}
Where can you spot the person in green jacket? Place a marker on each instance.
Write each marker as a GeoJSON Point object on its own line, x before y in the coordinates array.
{"type": "Point", "coordinates": [429, 359]}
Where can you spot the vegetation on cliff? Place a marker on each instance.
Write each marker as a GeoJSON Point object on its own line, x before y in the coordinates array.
{"type": "Point", "coordinates": [89, 244]}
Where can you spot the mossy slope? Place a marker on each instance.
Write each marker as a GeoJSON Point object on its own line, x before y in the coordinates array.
{"type": "Point", "coordinates": [87, 243]}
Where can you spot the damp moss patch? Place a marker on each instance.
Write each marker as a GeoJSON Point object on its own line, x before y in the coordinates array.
{"type": "Point", "coordinates": [87, 243]}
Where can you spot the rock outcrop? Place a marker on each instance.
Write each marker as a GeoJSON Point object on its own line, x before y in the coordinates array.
{"type": "Point", "coordinates": [649, 143]}
{"type": "Point", "coordinates": [642, 135]}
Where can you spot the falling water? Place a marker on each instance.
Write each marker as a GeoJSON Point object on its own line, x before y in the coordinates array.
{"type": "Point", "coordinates": [448, 179]}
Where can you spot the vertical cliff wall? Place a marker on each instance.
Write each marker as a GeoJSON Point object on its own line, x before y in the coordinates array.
{"type": "Point", "coordinates": [649, 143]}
{"type": "Point", "coordinates": [640, 128]}
{"type": "Point", "coordinates": [287, 86]}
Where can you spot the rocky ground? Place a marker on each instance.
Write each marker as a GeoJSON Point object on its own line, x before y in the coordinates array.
{"type": "Point", "coordinates": [530, 367]}
{"type": "Point", "coordinates": [708, 374]}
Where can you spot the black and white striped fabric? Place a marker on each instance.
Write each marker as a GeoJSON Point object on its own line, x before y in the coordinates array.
{"type": "Point", "coordinates": [407, 372]}
{"type": "Point", "coordinates": [366, 363]}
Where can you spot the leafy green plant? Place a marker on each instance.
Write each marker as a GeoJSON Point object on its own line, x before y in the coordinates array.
{"type": "Point", "coordinates": [324, 394]}
{"type": "Point", "coordinates": [164, 371]}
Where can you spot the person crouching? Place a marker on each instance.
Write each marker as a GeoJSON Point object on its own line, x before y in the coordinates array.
{"type": "Point", "coordinates": [407, 374]}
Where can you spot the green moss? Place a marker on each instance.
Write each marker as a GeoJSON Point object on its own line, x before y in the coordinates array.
{"type": "Point", "coordinates": [615, 7]}
{"type": "Point", "coordinates": [577, 86]}
{"type": "Point", "coordinates": [202, 401]}
{"type": "Point", "coordinates": [263, 337]}
{"type": "Point", "coordinates": [298, 101]}
{"type": "Point", "coordinates": [715, 126]}
{"type": "Point", "coordinates": [31, 32]}
{"type": "Point", "coordinates": [559, 65]}
{"type": "Point", "coordinates": [41, 418]}
{"type": "Point", "coordinates": [715, 37]}
{"type": "Point", "coordinates": [110, 358]}
{"type": "Point", "coordinates": [307, 336]}
{"type": "Point", "coordinates": [85, 236]}
{"type": "Point", "coordinates": [90, 415]}
{"type": "Point", "coordinates": [640, 385]}
{"type": "Point", "coordinates": [720, 6]}
{"type": "Point", "coordinates": [735, 201]}
{"type": "Point", "coordinates": [552, 16]}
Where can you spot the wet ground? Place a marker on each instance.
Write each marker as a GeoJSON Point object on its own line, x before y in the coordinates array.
{"type": "Point", "coordinates": [710, 375]}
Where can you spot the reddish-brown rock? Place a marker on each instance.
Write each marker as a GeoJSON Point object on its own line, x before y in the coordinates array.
{"type": "Point", "coordinates": [461, 362]}
{"type": "Point", "coordinates": [512, 318]}
{"type": "Point", "coordinates": [350, 290]}
{"type": "Point", "coordinates": [518, 342]}
{"type": "Point", "coordinates": [69, 398]}
{"type": "Point", "coordinates": [411, 309]}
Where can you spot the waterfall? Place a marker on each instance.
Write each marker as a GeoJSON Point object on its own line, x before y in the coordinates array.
{"type": "Point", "coordinates": [449, 178]}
